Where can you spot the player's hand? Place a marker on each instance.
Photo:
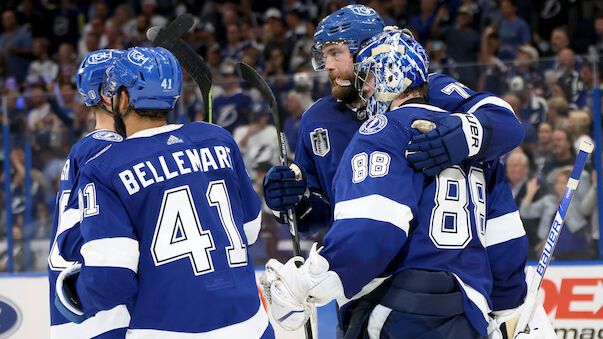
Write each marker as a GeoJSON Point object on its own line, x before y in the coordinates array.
{"type": "Point", "coordinates": [455, 138]}
{"type": "Point", "coordinates": [284, 187]}
{"type": "Point", "coordinates": [66, 299]}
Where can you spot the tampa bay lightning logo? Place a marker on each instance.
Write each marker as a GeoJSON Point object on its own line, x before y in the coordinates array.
{"type": "Point", "coordinates": [137, 58]}
{"type": "Point", "coordinates": [100, 57]}
{"type": "Point", "coordinates": [10, 317]}
{"type": "Point", "coordinates": [363, 10]}
{"type": "Point", "coordinates": [374, 125]}
{"type": "Point", "coordinates": [107, 136]}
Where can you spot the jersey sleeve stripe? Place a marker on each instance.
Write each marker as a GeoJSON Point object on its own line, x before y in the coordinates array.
{"type": "Point", "coordinates": [253, 327]}
{"type": "Point", "coordinates": [504, 228]}
{"type": "Point", "coordinates": [70, 218]}
{"type": "Point", "coordinates": [112, 252]}
{"type": "Point", "coordinates": [103, 321]}
{"type": "Point", "coordinates": [491, 100]}
{"type": "Point", "coordinates": [375, 207]}
{"type": "Point", "coordinates": [476, 297]}
{"type": "Point", "coordinates": [252, 229]}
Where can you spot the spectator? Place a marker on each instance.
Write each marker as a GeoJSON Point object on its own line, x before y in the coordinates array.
{"type": "Point", "coordinates": [35, 19]}
{"type": "Point", "coordinates": [578, 126]}
{"type": "Point", "coordinates": [589, 209]}
{"type": "Point", "coordinates": [513, 30]}
{"type": "Point", "coordinates": [296, 26]}
{"type": "Point", "coordinates": [463, 45]}
{"type": "Point", "coordinates": [563, 155]}
{"type": "Point", "coordinates": [148, 10]}
{"type": "Point", "coordinates": [557, 113]}
{"type": "Point", "coordinates": [257, 140]}
{"type": "Point", "coordinates": [439, 62]}
{"type": "Point", "coordinates": [597, 47]}
{"type": "Point", "coordinates": [203, 37]}
{"type": "Point", "coordinates": [531, 139]}
{"type": "Point", "coordinates": [574, 239]}
{"type": "Point", "coordinates": [567, 76]}
{"type": "Point", "coordinates": [124, 18]}
{"type": "Point", "coordinates": [115, 38]}
{"type": "Point", "coordinates": [231, 108]}
{"type": "Point", "coordinates": [526, 66]}
{"type": "Point", "coordinates": [517, 168]}
{"type": "Point", "coordinates": [544, 151]}
{"type": "Point", "coordinates": [233, 51]}
{"type": "Point", "coordinates": [533, 109]}
{"type": "Point", "coordinates": [67, 64]}
{"type": "Point", "coordinates": [296, 104]}
{"type": "Point", "coordinates": [559, 40]}
{"type": "Point", "coordinates": [42, 70]}
{"type": "Point", "coordinates": [97, 27]}
{"type": "Point", "coordinates": [276, 36]}
{"type": "Point", "coordinates": [427, 19]}
{"type": "Point", "coordinates": [42, 225]}
{"type": "Point", "coordinates": [138, 37]}
{"type": "Point", "coordinates": [493, 69]}
{"type": "Point", "coordinates": [64, 26]}
{"type": "Point", "coordinates": [588, 82]}
{"type": "Point", "coordinates": [15, 44]}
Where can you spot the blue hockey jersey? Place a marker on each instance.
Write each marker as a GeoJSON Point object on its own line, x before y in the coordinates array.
{"type": "Point", "coordinates": [167, 232]}
{"type": "Point", "coordinates": [328, 126]}
{"type": "Point", "coordinates": [81, 152]}
{"type": "Point", "coordinates": [388, 218]}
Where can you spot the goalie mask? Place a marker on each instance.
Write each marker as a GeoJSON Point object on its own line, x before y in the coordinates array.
{"type": "Point", "coordinates": [388, 64]}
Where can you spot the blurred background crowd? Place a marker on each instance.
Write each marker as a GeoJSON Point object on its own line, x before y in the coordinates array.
{"type": "Point", "coordinates": [540, 56]}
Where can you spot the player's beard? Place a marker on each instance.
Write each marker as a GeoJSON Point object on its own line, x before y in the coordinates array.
{"type": "Point", "coordinates": [118, 124]}
{"type": "Point", "coordinates": [340, 88]}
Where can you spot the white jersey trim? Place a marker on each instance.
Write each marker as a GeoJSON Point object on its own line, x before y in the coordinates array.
{"type": "Point", "coordinates": [252, 229]}
{"type": "Point", "coordinates": [504, 228]}
{"type": "Point", "coordinates": [490, 100]}
{"type": "Point", "coordinates": [253, 327]}
{"type": "Point", "coordinates": [149, 132]}
{"type": "Point", "coordinates": [102, 322]}
{"type": "Point", "coordinates": [70, 218]}
{"type": "Point", "coordinates": [112, 252]}
{"type": "Point", "coordinates": [476, 297]}
{"type": "Point", "coordinates": [423, 106]}
{"type": "Point", "coordinates": [375, 207]}
{"type": "Point", "coordinates": [376, 321]}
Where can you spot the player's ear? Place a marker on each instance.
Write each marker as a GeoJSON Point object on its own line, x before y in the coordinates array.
{"type": "Point", "coordinates": [124, 100]}
{"type": "Point", "coordinates": [106, 100]}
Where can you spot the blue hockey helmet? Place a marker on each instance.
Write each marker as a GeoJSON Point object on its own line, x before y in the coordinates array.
{"type": "Point", "coordinates": [91, 73]}
{"type": "Point", "coordinates": [352, 24]}
{"type": "Point", "coordinates": [396, 61]}
{"type": "Point", "coordinates": [151, 75]}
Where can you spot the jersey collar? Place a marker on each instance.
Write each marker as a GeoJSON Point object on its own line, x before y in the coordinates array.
{"type": "Point", "coordinates": [154, 131]}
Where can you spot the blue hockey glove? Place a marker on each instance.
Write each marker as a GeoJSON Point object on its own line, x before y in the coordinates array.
{"type": "Point", "coordinates": [66, 299]}
{"type": "Point", "coordinates": [455, 137]}
{"type": "Point", "coordinates": [284, 187]}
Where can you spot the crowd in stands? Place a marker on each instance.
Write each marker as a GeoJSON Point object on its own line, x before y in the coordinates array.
{"type": "Point", "coordinates": [537, 55]}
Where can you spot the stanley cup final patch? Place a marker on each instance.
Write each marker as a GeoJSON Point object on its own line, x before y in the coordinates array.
{"type": "Point", "coordinates": [320, 141]}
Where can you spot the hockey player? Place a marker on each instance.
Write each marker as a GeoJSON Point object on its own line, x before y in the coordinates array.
{"type": "Point", "coordinates": [327, 127]}
{"type": "Point", "coordinates": [89, 77]}
{"type": "Point", "coordinates": [172, 216]}
{"type": "Point", "coordinates": [413, 249]}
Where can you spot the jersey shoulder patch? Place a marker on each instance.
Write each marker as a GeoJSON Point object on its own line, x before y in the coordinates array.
{"type": "Point", "coordinates": [373, 125]}
{"type": "Point", "coordinates": [107, 136]}
{"type": "Point", "coordinates": [320, 141]}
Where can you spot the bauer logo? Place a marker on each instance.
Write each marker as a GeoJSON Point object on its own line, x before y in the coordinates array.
{"type": "Point", "coordinates": [137, 58]}
{"type": "Point", "coordinates": [100, 57]}
{"type": "Point", "coordinates": [10, 318]}
{"type": "Point", "coordinates": [373, 125]}
{"type": "Point", "coordinates": [363, 10]}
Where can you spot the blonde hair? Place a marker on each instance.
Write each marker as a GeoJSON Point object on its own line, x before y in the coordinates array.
{"type": "Point", "coordinates": [581, 120]}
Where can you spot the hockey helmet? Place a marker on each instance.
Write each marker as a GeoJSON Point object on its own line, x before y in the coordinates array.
{"type": "Point", "coordinates": [151, 75]}
{"type": "Point", "coordinates": [396, 61]}
{"type": "Point", "coordinates": [91, 73]}
{"type": "Point", "coordinates": [352, 24]}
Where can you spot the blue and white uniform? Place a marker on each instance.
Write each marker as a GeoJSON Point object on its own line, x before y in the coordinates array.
{"type": "Point", "coordinates": [109, 324]}
{"type": "Point", "coordinates": [328, 126]}
{"type": "Point", "coordinates": [168, 215]}
{"type": "Point", "coordinates": [389, 218]}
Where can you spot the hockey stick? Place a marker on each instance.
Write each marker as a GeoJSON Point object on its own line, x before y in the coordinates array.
{"type": "Point", "coordinates": [545, 258]}
{"type": "Point", "coordinates": [250, 75]}
{"type": "Point", "coordinates": [193, 63]}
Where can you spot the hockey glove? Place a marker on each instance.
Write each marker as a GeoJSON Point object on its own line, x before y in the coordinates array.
{"type": "Point", "coordinates": [456, 137]}
{"type": "Point", "coordinates": [66, 299]}
{"type": "Point", "coordinates": [284, 187]}
{"type": "Point", "coordinates": [293, 291]}
{"type": "Point", "coordinates": [504, 323]}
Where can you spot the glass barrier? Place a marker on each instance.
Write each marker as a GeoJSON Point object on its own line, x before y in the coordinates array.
{"type": "Point", "coordinates": [554, 99]}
